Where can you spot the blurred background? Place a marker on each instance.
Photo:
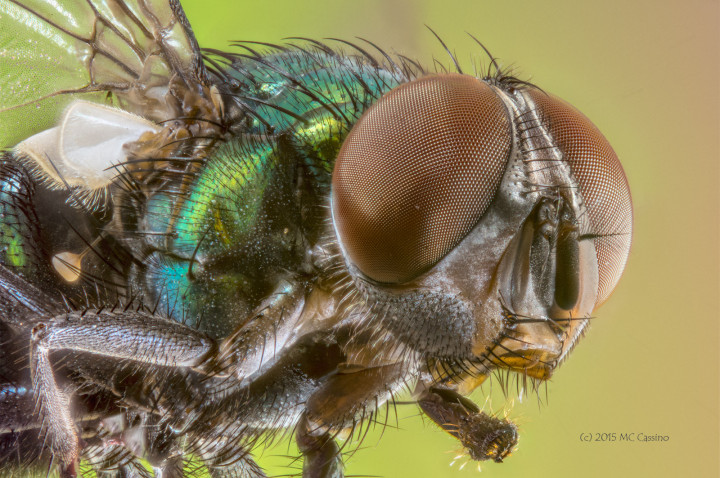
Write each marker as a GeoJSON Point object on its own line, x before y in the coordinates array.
{"type": "Point", "coordinates": [647, 73]}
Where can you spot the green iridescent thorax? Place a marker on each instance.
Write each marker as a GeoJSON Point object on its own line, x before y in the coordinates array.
{"type": "Point", "coordinates": [259, 203]}
{"type": "Point", "coordinates": [226, 207]}
{"type": "Point", "coordinates": [224, 203]}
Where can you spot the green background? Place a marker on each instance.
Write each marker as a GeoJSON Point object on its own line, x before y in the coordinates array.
{"type": "Point", "coordinates": [647, 73]}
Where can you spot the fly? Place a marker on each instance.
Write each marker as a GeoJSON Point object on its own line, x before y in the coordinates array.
{"type": "Point", "coordinates": [203, 249]}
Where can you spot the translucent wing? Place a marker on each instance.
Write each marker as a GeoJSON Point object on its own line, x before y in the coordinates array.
{"type": "Point", "coordinates": [135, 56]}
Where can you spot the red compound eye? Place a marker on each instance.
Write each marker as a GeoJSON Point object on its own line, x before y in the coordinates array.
{"type": "Point", "coordinates": [417, 172]}
{"type": "Point", "coordinates": [602, 181]}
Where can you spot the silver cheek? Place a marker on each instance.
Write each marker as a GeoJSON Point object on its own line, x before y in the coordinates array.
{"type": "Point", "coordinates": [428, 321]}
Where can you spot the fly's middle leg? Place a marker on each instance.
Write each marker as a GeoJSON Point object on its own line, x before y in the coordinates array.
{"type": "Point", "coordinates": [346, 401]}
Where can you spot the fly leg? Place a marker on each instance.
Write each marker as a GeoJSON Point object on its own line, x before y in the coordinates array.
{"type": "Point", "coordinates": [122, 439]}
{"type": "Point", "coordinates": [293, 311]}
{"type": "Point", "coordinates": [320, 452]}
{"type": "Point", "coordinates": [344, 401]}
{"type": "Point", "coordinates": [123, 336]}
{"type": "Point", "coordinates": [485, 437]}
{"type": "Point", "coordinates": [238, 415]}
{"type": "Point", "coordinates": [20, 426]}
{"type": "Point", "coordinates": [257, 342]}
{"type": "Point", "coordinates": [234, 463]}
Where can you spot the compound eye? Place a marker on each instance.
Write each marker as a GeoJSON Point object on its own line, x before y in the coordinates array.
{"type": "Point", "coordinates": [417, 172]}
{"type": "Point", "coordinates": [603, 185]}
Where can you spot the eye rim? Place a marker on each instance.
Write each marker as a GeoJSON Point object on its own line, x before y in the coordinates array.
{"type": "Point", "coordinates": [499, 131]}
{"type": "Point", "coordinates": [612, 248]}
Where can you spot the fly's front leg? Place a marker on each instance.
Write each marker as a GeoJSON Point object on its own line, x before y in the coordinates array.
{"type": "Point", "coordinates": [485, 437]}
{"type": "Point", "coordinates": [124, 336]}
{"type": "Point", "coordinates": [293, 310]}
{"type": "Point", "coordinates": [258, 340]}
{"type": "Point", "coordinates": [344, 401]}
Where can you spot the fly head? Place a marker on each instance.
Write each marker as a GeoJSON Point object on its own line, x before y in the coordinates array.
{"type": "Point", "coordinates": [481, 220]}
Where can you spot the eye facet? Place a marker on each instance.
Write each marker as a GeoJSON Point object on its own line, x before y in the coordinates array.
{"type": "Point", "coordinates": [603, 185]}
{"type": "Point", "coordinates": [417, 172]}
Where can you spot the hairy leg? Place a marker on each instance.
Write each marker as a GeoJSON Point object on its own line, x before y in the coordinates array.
{"type": "Point", "coordinates": [344, 401]}
{"type": "Point", "coordinates": [485, 437]}
{"type": "Point", "coordinates": [123, 335]}
{"type": "Point", "coordinates": [236, 462]}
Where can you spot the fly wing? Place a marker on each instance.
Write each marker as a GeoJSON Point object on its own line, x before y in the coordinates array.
{"type": "Point", "coordinates": [137, 60]}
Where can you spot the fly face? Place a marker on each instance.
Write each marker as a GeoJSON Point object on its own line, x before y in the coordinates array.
{"type": "Point", "coordinates": [481, 220]}
{"type": "Point", "coordinates": [315, 229]}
